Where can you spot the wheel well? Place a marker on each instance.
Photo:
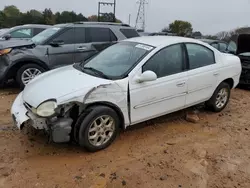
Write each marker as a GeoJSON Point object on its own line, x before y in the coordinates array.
{"type": "Point", "coordinates": [112, 106]}
{"type": "Point", "coordinates": [13, 70]}
{"type": "Point", "coordinates": [229, 81]}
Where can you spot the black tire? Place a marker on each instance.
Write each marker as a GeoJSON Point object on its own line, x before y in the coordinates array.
{"type": "Point", "coordinates": [211, 103]}
{"type": "Point", "coordinates": [85, 123]}
{"type": "Point", "coordinates": [22, 69]}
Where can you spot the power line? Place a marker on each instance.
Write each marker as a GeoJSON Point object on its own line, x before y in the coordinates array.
{"type": "Point", "coordinates": [140, 19]}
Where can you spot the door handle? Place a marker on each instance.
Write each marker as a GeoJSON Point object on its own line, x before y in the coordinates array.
{"type": "Point", "coordinates": [82, 48]}
{"type": "Point", "coordinates": [180, 84]}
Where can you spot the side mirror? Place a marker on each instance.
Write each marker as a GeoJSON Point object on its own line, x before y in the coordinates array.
{"type": "Point", "coordinates": [57, 43]}
{"type": "Point", "coordinates": [147, 76]}
{"type": "Point", "coordinates": [7, 37]}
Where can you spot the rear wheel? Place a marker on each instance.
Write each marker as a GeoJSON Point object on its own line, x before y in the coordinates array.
{"type": "Point", "coordinates": [27, 72]}
{"type": "Point", "coordinates": [220, 98]}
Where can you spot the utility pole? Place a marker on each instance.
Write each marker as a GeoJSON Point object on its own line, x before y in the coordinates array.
{"type": "Point", "coordinates": [106, 4]}
{"type": "Point", "coordinates": [129, 16]}
{"type": "Point", "coordinates": [140, 19]}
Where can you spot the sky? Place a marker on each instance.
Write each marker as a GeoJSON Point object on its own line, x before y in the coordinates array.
{"type": "Point", "coordinates": [207, 16]}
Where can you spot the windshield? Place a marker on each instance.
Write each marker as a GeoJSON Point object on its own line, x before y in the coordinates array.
{"type": "Point", "coordinates": [44, 35]}
{"type": "Point", "coordinates": [116, 61]}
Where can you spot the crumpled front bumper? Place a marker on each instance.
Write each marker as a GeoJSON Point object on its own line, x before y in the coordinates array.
{"type": "Point", "coordinates": [19, 112]}
{"type": "Point", "coordinates": [59, 128]}
{"type": "Point", "coordinates": [21, 115]}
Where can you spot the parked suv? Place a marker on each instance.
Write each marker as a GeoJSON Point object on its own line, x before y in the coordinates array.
{"type": "Point", "coordinates": [58, 46]}
{"type": "Point", "coordinates": [23, 31]}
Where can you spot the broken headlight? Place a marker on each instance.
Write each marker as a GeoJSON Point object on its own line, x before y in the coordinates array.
{"type": "Point", "coordinates": [47, 108]}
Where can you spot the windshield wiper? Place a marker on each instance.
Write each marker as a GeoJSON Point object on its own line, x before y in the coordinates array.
{"type": "Point", "coordinates": [100, 73]}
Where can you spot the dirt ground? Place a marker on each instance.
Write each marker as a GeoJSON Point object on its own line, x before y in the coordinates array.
{"type": "Point", "coordinates": [166, 152]}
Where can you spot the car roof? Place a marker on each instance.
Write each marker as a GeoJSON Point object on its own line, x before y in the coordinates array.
{"type": "Point", "coordinates": [32, 25]}
{"type": "Point", "coordinates": [103, 24]}
{"type": "Point", "coordinates": [157, 41]}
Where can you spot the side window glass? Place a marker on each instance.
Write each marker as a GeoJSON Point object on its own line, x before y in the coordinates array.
{"type": "Point", "coordinates": [223, 47]}
{"type": "Point", "coordinates": [98, 34]}
{"type": "Point", "coordinates": [199, 56]}
{"type": "Point", "coordinates": [37, 31]}
{"type": "Point", "coordinates": [112, 36]}
{"type": "Point", "coordinates": [80, 35]}
{"type": "Point", "coordinates": [67, 37]}
{"type": "Point", "coordinates": [129, 33]}
{"type": "Point", "coordinates": [22, 33]}
{"type": "Point", "coordinates": [215, 45]}
{"type": "Point", "coordinates": [166, 62]}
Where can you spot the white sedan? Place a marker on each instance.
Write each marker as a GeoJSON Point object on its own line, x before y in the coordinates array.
{"type": "Point", "coordinates": [130, 82]}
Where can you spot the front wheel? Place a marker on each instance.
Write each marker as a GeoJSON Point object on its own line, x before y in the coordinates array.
{"type": "Point", "coordinates": [27, 72]}
{"type": "Point", "coordinates": [98, 129]}
{"type": "Point", "coordinates": [220, 98]}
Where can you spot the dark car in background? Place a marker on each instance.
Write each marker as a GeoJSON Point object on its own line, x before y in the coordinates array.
{"type": "Point", "coordinates": [23, 31]}
{"type": "Point", "coordinates": [218, 44]}
{"type": "Point", "coordinates": [240, 45]}
{"type": "Point", "coordinates": [58, 46]}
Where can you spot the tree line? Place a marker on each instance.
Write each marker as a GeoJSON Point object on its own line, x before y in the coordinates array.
{"type": "Point", "coordinates": [11, 16]}
{"type": "Point", "coordinates": [184, 28]}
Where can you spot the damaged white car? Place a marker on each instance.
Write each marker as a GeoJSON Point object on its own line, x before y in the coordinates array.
{"type": "Point", "coordinates": [130, 82]}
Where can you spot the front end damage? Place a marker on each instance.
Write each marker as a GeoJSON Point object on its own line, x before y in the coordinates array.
{"type": "Point", "coordinates": [60, 126]}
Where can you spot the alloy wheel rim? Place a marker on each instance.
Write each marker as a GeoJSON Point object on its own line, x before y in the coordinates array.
{"type": "Point", "coordinates": [29, 74]}
{"type": "Point", "coordinates": [221, 98]}
{"type": "Point", "coordinates": [101, 130]}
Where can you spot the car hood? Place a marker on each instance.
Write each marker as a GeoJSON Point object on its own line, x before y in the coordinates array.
{"type": "Point", "coordinates": [14, 43]}
{"type": "Point", "coordinates": [243, 43]}
{"type": "Point", "coordinates": [58, 83]}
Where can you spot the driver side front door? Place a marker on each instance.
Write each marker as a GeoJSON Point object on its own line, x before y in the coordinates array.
{"type": "Point", "coordinates": [63, 54]}
{"type": "Point", "coordinates": [164, 95]}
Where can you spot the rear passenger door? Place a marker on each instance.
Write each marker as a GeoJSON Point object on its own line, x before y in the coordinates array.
{"type": "Point", "coordinates": [92, 40]}
{"type": "Point", "coordinates": [202, 74]}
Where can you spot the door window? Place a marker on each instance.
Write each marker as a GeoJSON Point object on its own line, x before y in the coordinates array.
{"type": "Point", "coordinates": [95, 34]}
{"type": "Point", "coordinates": [67, 37]}
{"type": "Point", "coordinates": [199, 56]}
{"type": "Point", "coordinates": [166, 62]}
{"type": "Point", "coordinates": [37, 31]}
{"type": "Point", "coordinates": [22, 33]}
{"type": "Point", "coordinates": [129, 33]}
{"type": "Point", "coordinates": [80, 35]}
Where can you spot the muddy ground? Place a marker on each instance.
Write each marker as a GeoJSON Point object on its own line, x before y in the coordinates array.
{"type": "Point", "coordinates": [166, 152]}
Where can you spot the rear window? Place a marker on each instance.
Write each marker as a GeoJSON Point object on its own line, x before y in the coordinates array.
{"type": "Point", "coordinates": [129, 33]}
